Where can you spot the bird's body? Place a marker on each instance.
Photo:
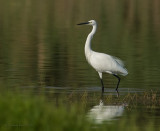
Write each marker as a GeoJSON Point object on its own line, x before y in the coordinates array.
{"type": "Point", "coordinates": [102, 62]}
{"type": "Point", "coordinates": [105, 63]}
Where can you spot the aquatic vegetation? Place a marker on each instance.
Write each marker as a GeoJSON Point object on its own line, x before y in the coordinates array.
{"type": "Point", "coordinates": [36, 113]}
{"type": "Point", "coordinates": [28, 111]}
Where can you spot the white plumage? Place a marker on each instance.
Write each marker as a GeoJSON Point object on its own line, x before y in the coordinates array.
{"type": "Point", "coordinates": [105, 63]}
{"type": "Point", "coordinates": [102, 62]}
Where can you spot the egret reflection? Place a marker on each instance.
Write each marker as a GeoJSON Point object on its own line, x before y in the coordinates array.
{"type": "Point", "coordinates": [101, 112]}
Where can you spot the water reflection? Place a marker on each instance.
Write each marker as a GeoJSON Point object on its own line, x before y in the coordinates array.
{"type": "Point", "coordinates": [101, 112]}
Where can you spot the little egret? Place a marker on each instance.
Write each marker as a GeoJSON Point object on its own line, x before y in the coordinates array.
{"type": "Point", "coordinates": [102, 62]}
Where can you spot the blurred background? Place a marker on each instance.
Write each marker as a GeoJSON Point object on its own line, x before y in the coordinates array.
{"type": "Point", "coordinates": [41, 45]}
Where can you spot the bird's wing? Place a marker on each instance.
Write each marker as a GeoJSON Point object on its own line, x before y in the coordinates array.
{"type": "Point", "coordinates": [119, 61]}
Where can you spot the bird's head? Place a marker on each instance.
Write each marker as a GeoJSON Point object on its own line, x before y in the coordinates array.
{"type": "Point", "coordinates": [91, 22]}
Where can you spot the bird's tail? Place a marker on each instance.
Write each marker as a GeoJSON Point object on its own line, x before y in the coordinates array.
{"type": "Point", "coordinates": [124, 72]}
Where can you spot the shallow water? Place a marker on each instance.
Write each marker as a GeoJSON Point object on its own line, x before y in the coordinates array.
{"type": "Point", "coordinates": [41, 47]}
{"type": "Point", "coordinates": [108, 109]}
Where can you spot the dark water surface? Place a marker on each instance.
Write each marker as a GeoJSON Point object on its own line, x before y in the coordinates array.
{"type": "Point", "coordinates": [42, 47]}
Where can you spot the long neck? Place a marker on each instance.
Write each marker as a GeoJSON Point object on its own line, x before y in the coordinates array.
{"type": "Point", "coordinates": [88, 49]}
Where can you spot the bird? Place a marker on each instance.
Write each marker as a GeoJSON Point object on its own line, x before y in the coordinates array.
{"type": "Point", "coordinates": [101, 62]}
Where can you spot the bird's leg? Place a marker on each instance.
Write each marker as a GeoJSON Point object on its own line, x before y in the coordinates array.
{"type": "Point", "coordinates": [102, 86]}
{"type": "Point", "coordinates": [101, 96]}
{"type": "Point", "coordinates": [100, 75]}
{"type": "Point", "coordinates": [117, 83]}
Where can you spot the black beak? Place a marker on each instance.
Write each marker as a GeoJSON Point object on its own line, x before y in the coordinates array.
{"type": "Point", "coordinates": [84, 23]}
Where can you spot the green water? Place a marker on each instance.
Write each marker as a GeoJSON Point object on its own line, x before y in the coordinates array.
{"type": "Point", "coordinates": [41, 46]}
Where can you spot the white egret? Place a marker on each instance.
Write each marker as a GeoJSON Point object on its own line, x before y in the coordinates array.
{"type": "Point", "coordinates": [102, 62]}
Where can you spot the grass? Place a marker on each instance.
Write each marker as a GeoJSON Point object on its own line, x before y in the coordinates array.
{"type": "Point", "coordinates": [27, 111]}
{"type": "Point", "coordinates": [146, 98]}
{"type": "Point", "coordinates": [35, 113]}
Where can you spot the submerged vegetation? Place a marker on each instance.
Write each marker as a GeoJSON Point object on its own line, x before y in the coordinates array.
{"type": "Point", "coordinates": [145, 98]}
{"type": "Point", "coordinates": [29, 111]}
